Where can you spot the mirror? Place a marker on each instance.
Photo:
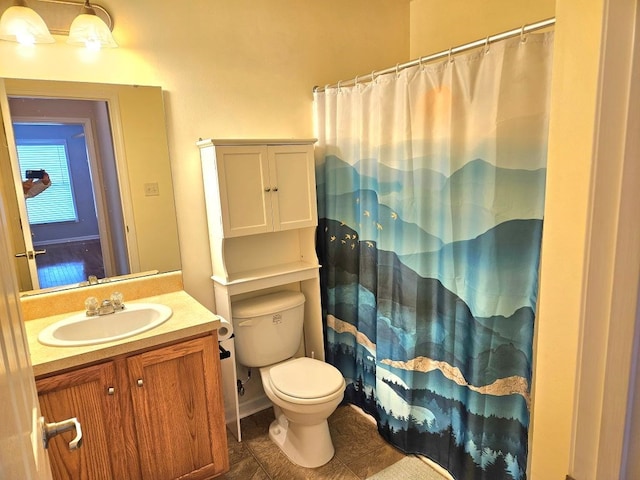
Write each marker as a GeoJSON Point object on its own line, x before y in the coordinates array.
{"type": "Point", "coordinates": [109, 211]}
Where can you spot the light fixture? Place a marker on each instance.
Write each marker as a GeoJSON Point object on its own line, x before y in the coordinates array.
{"type": "Point", "coordinates": [22, 24]}
{"type": "Point", "coordinates": [89, 30]}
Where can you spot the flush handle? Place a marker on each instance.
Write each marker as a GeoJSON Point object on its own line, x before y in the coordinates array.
{"type": "Point", "coordinates": [50, 430]}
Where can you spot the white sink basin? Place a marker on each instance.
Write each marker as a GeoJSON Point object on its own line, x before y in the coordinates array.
{"type": "Point", "coordinates": [80, 329]}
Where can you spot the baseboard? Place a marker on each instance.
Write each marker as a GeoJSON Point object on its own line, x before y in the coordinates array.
{"type": "Point", "coordinates": [254, 405]}
{"type": "Point", "coordinates": [67, 240]}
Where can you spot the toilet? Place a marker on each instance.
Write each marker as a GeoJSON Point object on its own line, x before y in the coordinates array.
{"type": "Point", "coordinates": [304, 391]}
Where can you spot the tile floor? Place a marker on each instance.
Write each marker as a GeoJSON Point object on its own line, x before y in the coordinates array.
{"type": "Point", "coordinates": [360, 451]}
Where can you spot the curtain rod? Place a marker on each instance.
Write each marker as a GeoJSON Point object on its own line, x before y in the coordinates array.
{"type": "Point", "coordinates": [446, 53]}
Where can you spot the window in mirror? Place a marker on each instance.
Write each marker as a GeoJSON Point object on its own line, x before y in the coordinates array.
{"type": "Point", "coordinates": [50, 156]}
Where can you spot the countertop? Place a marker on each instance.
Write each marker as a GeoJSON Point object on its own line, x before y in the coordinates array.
{"type": "Point", "coordinates": [189, 318]}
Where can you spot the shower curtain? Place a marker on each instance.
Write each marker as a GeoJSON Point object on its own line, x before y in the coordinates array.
{"type": "Point", "coordinates": [431, 194]}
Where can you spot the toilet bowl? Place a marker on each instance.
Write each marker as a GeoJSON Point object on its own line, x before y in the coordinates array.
{"type": "Point", "coordinates": [304, 391]}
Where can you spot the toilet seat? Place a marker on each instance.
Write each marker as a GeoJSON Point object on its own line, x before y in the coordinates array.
{"type": "Point", "coordinates": [306, 380]}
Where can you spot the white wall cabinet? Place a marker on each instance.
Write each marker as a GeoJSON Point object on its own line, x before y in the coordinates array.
{"type": "Point", "coordinates": [259, 187]}
{"type": "Point", "coordinates": [262, 218]}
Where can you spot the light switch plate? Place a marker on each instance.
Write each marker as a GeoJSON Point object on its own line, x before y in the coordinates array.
{"type": "Point", "coordinates": [151, 189]}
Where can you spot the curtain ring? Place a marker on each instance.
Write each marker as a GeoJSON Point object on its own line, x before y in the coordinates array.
{"type": "Point", "coordinates": [420, 66]}
{"type": "Point", "coordinates": [397, 70]}
{"type": "Point", "coordinates": [339, 86]}
{"type": "Point", "coordinates": [356, 81]}
{"type": "Point", "coordinates": [486, 45]}
{"type": "Point", "coordinates": [449, 59]}
{"type": "Point", "coordinates": [373, 76]}
{"type": "Point", "coordinates": [523, 38]}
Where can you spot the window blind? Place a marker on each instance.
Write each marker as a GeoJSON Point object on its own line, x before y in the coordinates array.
{"type": "Point", "coordinates": [56, 203]}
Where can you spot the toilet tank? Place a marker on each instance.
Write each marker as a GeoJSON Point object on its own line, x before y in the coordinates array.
{"type": "Point", "coordinates": [268, 329]}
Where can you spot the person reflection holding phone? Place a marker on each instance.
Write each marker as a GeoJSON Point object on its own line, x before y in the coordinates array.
{"type": "Point", "coordinates": [37, 182]}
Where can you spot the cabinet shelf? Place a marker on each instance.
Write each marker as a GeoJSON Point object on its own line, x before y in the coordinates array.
{"type": "Point", "coordinates": [265, 277]}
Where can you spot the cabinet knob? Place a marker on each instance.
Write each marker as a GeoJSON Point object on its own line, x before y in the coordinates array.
{"type": "Point", "coordinates": [267, 189]}
{"type": "Point", "coordinates": [275, 189]}
{"type": "Point", "coordinates": [111, 391]}
{"type": "Point", "coordinates": [140, 382]}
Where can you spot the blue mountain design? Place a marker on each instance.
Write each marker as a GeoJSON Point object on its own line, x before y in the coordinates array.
{"type": "Point", "coordinates": [365, 289]}
{"type": "Point", "coordinates": [468, 203]}
{"type": "Point", "coordinates": [440, 275]}
{"type": "Point", "coordinates": [499, 267]}
{"type": "Point", "coordinates": [373, 220]}
{"type": "Point", "coordinates": [370, 174]}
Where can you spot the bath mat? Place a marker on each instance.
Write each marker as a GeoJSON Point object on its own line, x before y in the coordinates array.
{"type": "Point", "coordinates": [409, 468]}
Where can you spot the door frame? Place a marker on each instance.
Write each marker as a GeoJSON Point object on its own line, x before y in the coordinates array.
{"type": "Point", "coordinates": [604, 382]}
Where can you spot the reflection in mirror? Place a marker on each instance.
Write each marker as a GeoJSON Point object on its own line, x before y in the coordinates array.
{"type": "Point", "coordinates": [77, 219]}
{"type": "Point", "coordinates": [108, 210]}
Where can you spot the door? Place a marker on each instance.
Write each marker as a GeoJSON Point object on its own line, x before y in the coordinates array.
{"type": "Point", "coordinates": [245, 192]}
{"type": "Point", "coordinates": [91, 395]}
{"type": "Point", "coordinates": [292, 180]}
{"type": "Point", "coordinates": [22, 454]}
{"type": "Point", "coordinates": [21, 244]}
{"type": "Point", "coordinates": [177, 400]}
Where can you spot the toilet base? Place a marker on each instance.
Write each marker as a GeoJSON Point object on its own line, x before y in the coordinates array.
{"type": "Point", "coordinates": [309, 446]}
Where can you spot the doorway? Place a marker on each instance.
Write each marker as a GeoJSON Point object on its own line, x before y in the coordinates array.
{"type": "Point", "coordinates": [63, 218]}
{"type": "Point", "coordinates": [69, 222]}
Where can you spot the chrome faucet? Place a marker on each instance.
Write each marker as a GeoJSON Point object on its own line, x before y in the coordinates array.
{"type": "Point", "coordinates": [106, 307]}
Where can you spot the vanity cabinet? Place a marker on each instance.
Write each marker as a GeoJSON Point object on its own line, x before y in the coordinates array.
{"type": "Point", "coordinates": [152, 415]}
{"type": "Point", "coordinates": [258, 186]}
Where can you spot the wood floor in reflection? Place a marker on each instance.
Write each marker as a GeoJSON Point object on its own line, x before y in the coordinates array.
{"type": "Point", "coordinates": [69, 262]}
{"type": "Point", "coordinates": [360, 451]}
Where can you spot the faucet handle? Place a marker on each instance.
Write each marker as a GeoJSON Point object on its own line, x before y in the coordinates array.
{"type": "Point", "coordinates": [91, 305]}
{"type": "Point", "coordinates": [116, 300]}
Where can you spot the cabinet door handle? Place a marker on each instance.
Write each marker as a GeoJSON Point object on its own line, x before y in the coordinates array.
{"type": "Point", "coordinates": [267, 189]}
{"type": "Point", "coordinates": [111, 391]}
{"type": "Point", "coordinates": [50, 430]}
{"type": "Point", "coordinates": [140, 382]}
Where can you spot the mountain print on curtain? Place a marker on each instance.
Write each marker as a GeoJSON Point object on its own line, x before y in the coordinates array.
{"type": "Point", "coordinates": [429, 274]}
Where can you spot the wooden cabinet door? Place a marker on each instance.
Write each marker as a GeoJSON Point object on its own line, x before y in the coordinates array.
{"type": "Point", "coordinates": [245, 192]}
{"type": "Point", "coordinates": [177, 403]}
{"type": "Point", "coordinates": [85, 394]}
{"type": "Point", "coordinates": [292, 172]}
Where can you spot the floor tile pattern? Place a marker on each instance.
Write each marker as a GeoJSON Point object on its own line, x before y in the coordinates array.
{"type": "Point", "coordinates": [360, 451]}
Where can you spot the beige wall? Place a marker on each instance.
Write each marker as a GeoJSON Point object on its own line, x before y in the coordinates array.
{"type": "Point", "coordinates": [246, 69]}
{"type": "Point", "coordinates": [437, 26]}
{"type": "Point", "coordinates": [230, 69]}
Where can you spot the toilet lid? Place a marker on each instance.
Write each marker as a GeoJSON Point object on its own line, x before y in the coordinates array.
{"type": "Point", "coordinates": [306, 378]}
